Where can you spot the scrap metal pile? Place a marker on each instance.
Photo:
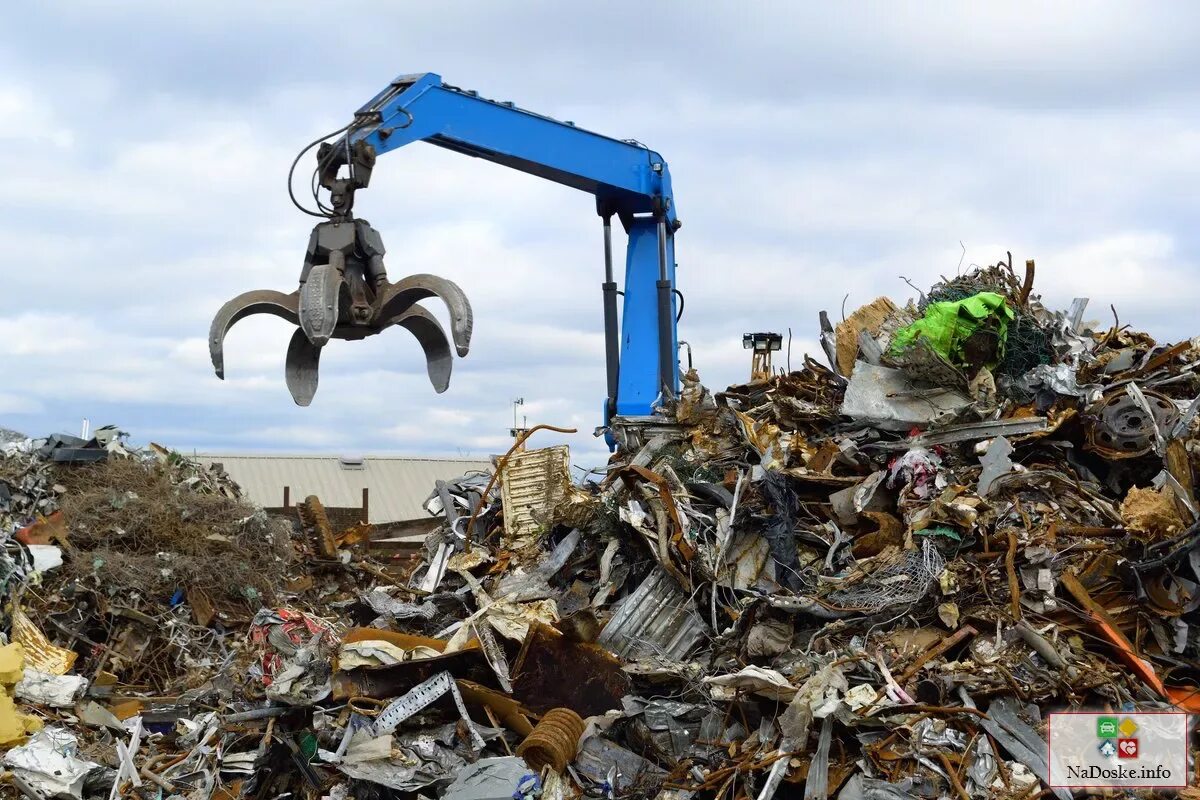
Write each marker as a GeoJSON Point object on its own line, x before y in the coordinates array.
{"type": "Point", "coordinates": [872, 579]}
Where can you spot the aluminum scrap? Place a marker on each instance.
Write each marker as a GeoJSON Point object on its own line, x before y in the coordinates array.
{"type": "Point", "coordinates": [419, 698]}
{"type": "Point", "coordinates": [657, 619]}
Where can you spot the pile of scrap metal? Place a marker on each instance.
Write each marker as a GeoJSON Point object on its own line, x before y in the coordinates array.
{"type": "Point", "coordinates": [869, 579]}
{"type": "Point", "coordinates": [872, 579]}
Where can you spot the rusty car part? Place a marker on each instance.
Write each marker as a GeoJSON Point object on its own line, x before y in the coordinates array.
{"type": "Point", "coordinates": [1118, 426]}
{"type": "Point", "coordinates": [554, 741]}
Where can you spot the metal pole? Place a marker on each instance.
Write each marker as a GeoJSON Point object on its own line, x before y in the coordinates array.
{"type": "Point", "coordinates": [666, 320]}
{"type": "Point", "coordinates": [612, 344]}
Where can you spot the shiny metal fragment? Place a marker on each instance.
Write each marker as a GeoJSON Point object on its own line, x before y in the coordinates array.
{"type": "Point", "coordinates": [657, 619]}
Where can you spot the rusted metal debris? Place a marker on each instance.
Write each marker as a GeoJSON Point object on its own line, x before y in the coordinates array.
{"type": "Point", "coordinates": [313, 518]}
{"type": "Point", "coordinates": [554, 741]}
{"type": "Point", "coordinates": [872, 579]}
{"type": "Point", "coordinates": [593, 684]}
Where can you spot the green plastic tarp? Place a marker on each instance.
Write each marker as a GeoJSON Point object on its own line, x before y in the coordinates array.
{"type": "Point", "coordinates": [947, 325]}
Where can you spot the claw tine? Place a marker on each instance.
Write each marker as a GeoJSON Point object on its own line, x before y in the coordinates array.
{"type": "Point", "coordinates": [428, 331]}
{"type": "Point", "coordinates": [319, 298]}
{"type": "Point", "coordinates": [259, 301]}
{"type": "Point", "coordinates": [300, 369]}
{"type": "Point", "coordinates": [402, 295]}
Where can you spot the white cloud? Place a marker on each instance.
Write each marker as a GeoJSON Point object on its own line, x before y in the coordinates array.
{"type": "Point", "coordinates": [14, 403]}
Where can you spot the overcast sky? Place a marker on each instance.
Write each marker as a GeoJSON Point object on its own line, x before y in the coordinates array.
{"type": "Point", "coordinates": [816, 154]}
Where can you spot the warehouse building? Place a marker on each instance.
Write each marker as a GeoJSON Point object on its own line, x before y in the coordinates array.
{"type": "Point", "coordinates": [390, 489]}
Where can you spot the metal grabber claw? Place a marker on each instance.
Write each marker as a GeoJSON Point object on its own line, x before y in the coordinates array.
{"type": "Point", "coordinates": [344, 293]}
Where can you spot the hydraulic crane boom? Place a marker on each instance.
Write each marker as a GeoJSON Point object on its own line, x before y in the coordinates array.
{"type": "Point", "coordinates": [628, 180]}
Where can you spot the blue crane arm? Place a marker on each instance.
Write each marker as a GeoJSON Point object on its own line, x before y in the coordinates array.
{"type": "Point", "coordinates": [626, 178]}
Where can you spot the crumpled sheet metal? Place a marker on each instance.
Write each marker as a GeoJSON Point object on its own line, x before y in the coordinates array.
{"type": "Point", "coordinates": [753, 679]}
{"type": "Point", "coordinates": [40, 653]}
{"type": "Point", "coordinates": [1059, 378]}
{"type": "Point", "coordinates": [861, 787]}
{"type": "Point", "coordinates": [1018, 738]}
{"type": "Point", "coordinates": [409, 763]}
{"type": "Point", "coordinates": [488, 779]}
{"type": "Point", "coordinates": [57, 691]}
{"type": "Point", "coordinates": [602, 761]}
{"type": "Point", "coordinates": [887, 398]}
{"type": "Point", "coordinates": [49, 763]}
{"type": "Point", "coordinates": [383, 603]}
{"type": "Point", "coordinates": [657, 619]}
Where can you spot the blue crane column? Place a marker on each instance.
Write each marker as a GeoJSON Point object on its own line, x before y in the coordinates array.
{"type": "Point", "coordinates": [629, 181]}
{"type": "Point", "coordinates": [649, 343]}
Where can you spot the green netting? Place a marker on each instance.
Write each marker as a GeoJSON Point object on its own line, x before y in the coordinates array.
{"type": "Point", "coordinates": [1028, 345]}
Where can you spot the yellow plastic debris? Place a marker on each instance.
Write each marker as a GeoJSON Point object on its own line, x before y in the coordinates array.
{"type": "Point", "coordinates": [14, 726]}
{"type": "Point", "coordinates": [12, 664]}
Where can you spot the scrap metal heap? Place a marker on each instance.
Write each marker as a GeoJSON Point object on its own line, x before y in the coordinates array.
{"type": "Point", "coordinates": [872, 579]}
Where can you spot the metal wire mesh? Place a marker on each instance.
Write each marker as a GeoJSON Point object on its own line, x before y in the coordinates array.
{"type": "Point", "coordinates": [1027, 345]}
{"type": "Point", "coordinates": [905, 580]}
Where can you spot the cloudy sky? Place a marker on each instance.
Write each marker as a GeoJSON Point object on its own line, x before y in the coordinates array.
{"type": "Point", "coordinates": [817, 155]}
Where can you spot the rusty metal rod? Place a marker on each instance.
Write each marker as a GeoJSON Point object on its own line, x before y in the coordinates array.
{"type": "Point", "coordinates": [936, 651]}
{"type": "Point", "coordinates": [1027, 286]}
{"type": "Point", "coordinates": [941, 710]}
{"type": "Point", "coordinates": [1010, 564]}
{"type": "Point", "coordinates": [1040, 644]}
{"type": "Point", "coordinates": [954, 781]}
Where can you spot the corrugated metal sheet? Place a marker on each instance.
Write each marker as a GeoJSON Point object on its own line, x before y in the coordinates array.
{"type": "Point", "coordinates": [533, 481]}
{"type": "Point", "coordinates": [398, 485]}
{"type": "Point", "coordinates": [657, 619]}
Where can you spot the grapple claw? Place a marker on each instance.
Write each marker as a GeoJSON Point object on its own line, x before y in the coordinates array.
{"type": "Point", "coordinates": [319, 299]}
{"type": "Point", "coordinates": [259, 301]}
{"type": "Point", "coordinates": [349, 297]}
{"type": "Point", "coordinates": [300, 369]}
{"type": "Point", "coordinates": [402, 295]}
{"type": "Point", "coordinates": [439, 361]}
